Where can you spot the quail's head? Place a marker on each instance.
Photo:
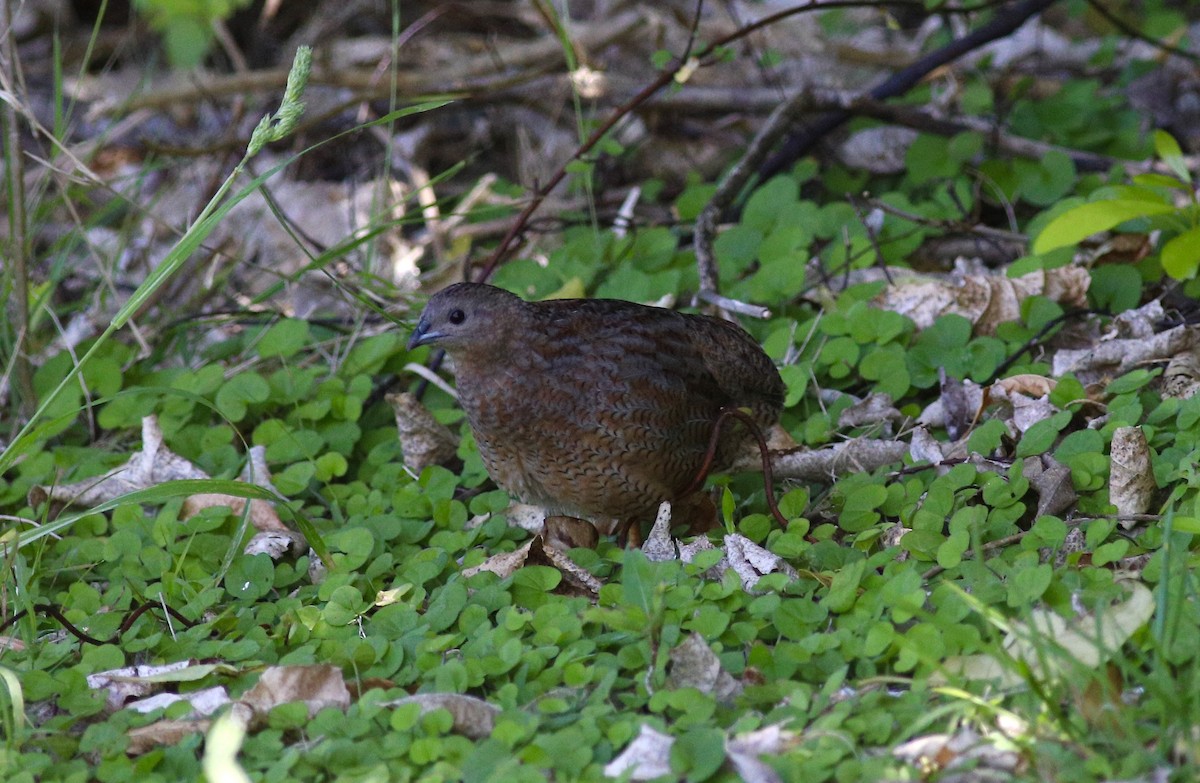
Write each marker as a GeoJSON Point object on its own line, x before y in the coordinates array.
{"type": "Point", "coordinates": [468, 317]}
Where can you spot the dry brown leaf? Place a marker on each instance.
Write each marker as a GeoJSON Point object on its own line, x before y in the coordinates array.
{"type": "Point", "coordinates": [1021, 410]}
{"type": "Point", "coordinates": [961, 409]}
{"type": "Point", "coordinates": [424, 440]}
{"type": "Point", "coordinates": [1028, 384]}
{"type": "Point", "coordinates": [11, 643]}
{"type": "Point", "coordinates": [134, 688]}
{"type": "Point", "coordinates": [1181, 378]}
{"type": "Point", "coordinates": [961, 404]}
{"type": "Point", "coordinates": [1100, 703]}
{"type": "Point", "coordinates": [1051, 481]}
{"type": "Point", "coordinates": [1141, 322]}
{"type": "Point", "coordinates": [891, 537]}
{"type": "Point", "coordinates": [576, 581]}
{"type": "Point", "coordinates": [318, 686]}
{"type": "Point", "coordinates": [983, 299]}
{"type": "Point", "coordinates": [1131, 479]}
{"type": "Point", "coordinates": [503, 564]}
{"type": "Point", "coordinates": [1123, 249]}
{"type": "Point", "coordinates": [144, 739]}
{"type": "Point", "coordinates": [1075, 543]}
{"type": "Point", "coordinates": [262, 514]}
{"type": "Point", "coordinates": [693, 664]}
{"type": "Point", "coordinates": [473, 717]}
{"type": "Point", "coordinates": [156, 464]}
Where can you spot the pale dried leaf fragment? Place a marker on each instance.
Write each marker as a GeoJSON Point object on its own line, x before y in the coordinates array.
{"type": "Point", "coordinates": [129, 683]}
{"type": "Point", "coordinates": [949, 751]}
{"type": "Point", "coordinates": [256, 471]}
{"type": "Point", "coordinates": [523, 515]}
{"type": "Point", "coordinates": [1085, 641]}
{"type": "Point", "coordinates": [751, 562]}
{"type": "Point", "coordinates": [693, 664]}
{"type": "Point", "coordinates": [963, 408]}
{"type": "Point", "coordinates": [424, 440]}
{"type": "Point", "coordinates": [151, 466]}
{"type": "Point", "coordinates": [647, 757]}
{"type": "Point", "coordinates": [203, 702]}
{"type": "Point", "coordinates": [960, 405]}
{"type": "Point", "coordinates": [660, 545]}
{"type": "Point", "coordinates": [275, 544]}
{"type": "Point", "coordinates": [891, 537]}
{"type": "Point", "coordinates": [923, 447]}
{"type": "Point", "coordinates": [689, 550]}
{"type": "Point", "coordinates": [1074, 544]}
{"type": "Point", "coordinates": [1140, 323]}
{"type": "Point", "coordinates": [1027, 411]}
{"type": "Point", "coordinates": [473, 717]}
{"type": "Point", "coordinates": [879, 150]}
{"type": "Point", "coordinates": [745, 752]}
{"type": "Point", "coordinates": [876, 409]}
{"type": "Point", "coordinates": [1020, 408]}
{"type": "Point", "coordinates": [1131, 480]}
{"type": "Point", "coordinates": [1112, 358]}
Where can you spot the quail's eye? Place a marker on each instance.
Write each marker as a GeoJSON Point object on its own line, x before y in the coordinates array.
{"type": "Point", "coordinates": [456, 317]}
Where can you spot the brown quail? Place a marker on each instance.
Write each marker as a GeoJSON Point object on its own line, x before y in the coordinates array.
{"type": "Point", "coordinates": [596, 408]}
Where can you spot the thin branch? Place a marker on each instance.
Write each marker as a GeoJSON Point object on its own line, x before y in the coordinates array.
{"type": "Point", "coordinates": [905, 79]}
{"type": "Point", "coordinates": [1137, 34]}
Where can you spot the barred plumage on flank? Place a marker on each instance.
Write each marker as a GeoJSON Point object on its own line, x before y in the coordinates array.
{"type": "Point", "coordinates": [596, 408]}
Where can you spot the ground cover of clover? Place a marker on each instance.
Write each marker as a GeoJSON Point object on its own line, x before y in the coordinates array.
{"type": "Point", "coordinates": [253, 538]}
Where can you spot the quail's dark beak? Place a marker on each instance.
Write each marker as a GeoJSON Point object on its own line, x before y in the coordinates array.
{"type": "Point", "coordinates": [421, 335]}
